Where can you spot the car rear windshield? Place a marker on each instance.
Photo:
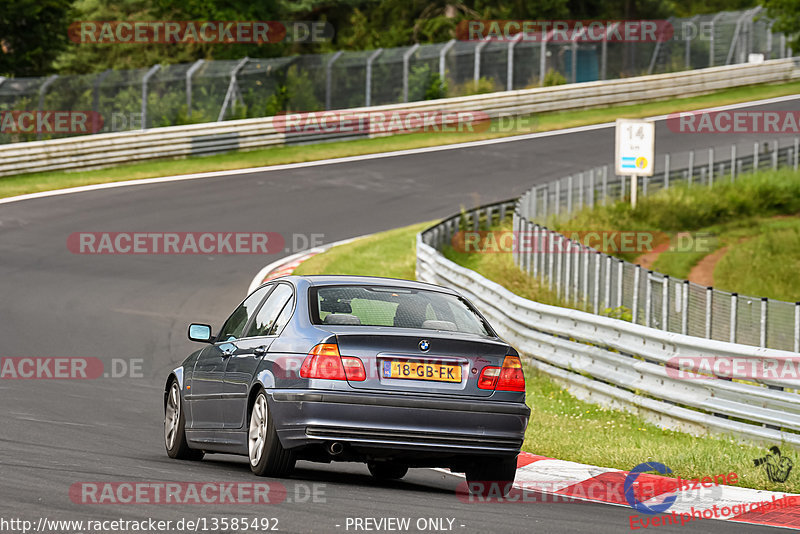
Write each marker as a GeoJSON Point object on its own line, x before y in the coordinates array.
{"type": "Point", "coordinates": [396, 307]}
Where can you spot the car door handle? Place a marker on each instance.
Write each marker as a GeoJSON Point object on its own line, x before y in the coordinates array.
{"type": "Point", "coordinates": [260, 351]}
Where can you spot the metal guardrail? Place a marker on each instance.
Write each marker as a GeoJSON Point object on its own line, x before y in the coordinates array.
{"type": "Point", "coordinates": [103, 150]}
{"type": "Point", "coordinates": [621, 364]}
{"type": "Point", "coordinates": [600, 283]}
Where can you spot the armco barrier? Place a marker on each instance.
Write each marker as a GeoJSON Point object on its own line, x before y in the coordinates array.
{"type": "Point", "coordinates": [102, 150]}
{"type": "Point", "coordinates": [620, 364]}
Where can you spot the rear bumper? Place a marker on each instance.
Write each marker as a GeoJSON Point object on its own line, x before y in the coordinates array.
{"type": "Point", "coordinates": [368, 420]}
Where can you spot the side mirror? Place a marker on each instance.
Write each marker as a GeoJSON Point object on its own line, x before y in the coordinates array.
{"type": "Point", "coordinates": [200, 332]}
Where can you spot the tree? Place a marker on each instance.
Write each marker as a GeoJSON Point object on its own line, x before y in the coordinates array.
{"type": "Point", "coordinates": [787, 15]}
{"type": "Point", "coordinates": [32, 32]}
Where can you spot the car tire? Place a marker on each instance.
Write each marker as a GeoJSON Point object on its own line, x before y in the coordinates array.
{"type": "Point", "coordinates": [387, 470]}
{"type": "Point", "coordinates": [175, 427]}
{"type": "Point", "coordinates": [492, 477]}
{"type": "Point", "coordinates": [265, 452]}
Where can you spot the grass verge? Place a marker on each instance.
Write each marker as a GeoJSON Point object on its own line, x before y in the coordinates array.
{"type": "Point", "coordinates": [561, 425]}
{"type": "Point", "coordinates": [31, 183]}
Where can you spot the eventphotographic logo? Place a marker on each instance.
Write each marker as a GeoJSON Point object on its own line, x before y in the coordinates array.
{"type": "Point", "coordinates": [776, 465]}
{"type": "Point", "coordinates": [424, 345]}
{"type": "Point", "coordinates": [629, 486]}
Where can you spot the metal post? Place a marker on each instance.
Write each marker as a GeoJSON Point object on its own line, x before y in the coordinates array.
{"type": "Point", "coordinates": [666, 171]}
{"type": "Point", "coordinates": [709, 298]}
{"type": "Point", "coordinates": [733, 163]}
{"type": "Point", "coordinates": [648, 298]}
{"type": "Point", "coordinates": [443, 56]}
{"type": "Point", "coordinates": [476, 70]}
{"type": "Point", "coordinates": [591, 187]}
{"type": "Point", "coordinates": [688, 57]}
{"type": "Point", "coordinates": [534, 202]}
{"type": "Point", "coordinates": [189, 73]}
{"type": "Point", "coordinates": [550, 258]}
{"type": "Point", "coordinates": [702, 175]}
{"type": "Point", "coordinates": [665, 304]}
{"type": "Point", "coordinates": [510, 62]}
{"type": "Point", "coordinates": [576, 249]}
{"type": "Point", "coordinates": [543, 58]}
{"type": "Point", "coordinates": [774, 155]}
{"type": "Point", "coordinates": [42, 90]}
{"type": "Point", "coordinates": [769, 40]}
{"type": "Point", "coordinates": [546, 194]}
{"type": "Point", "coordinates": [755, 156]}
{"type": "Point", "coordinates": [796, 152]}
{"type": "Point", "coordinates": [763, 337]}
{"type": "Point", "coordinates": [567, 252]}
{"type": "Point", "coordinates": [711, 40]}
{"type": "Point", "coordinates": [710, 167]}
{"type": "Point", "coordinates": [368, 88]}
{"type": "Point", "coordinates": [146, 78]}
{"type": "Point", "coordinates": [557, 199]}
{"type": "Point", "coordinates": [622, 187]}
{"type": "Point", "coordinates": [559, 264]}
{"type": "Point", "coordinates": [797, 326]}
{"type": "Point", "coordinates": [569, 195]}
{"type": "Point", "coordinates": [605, 184]}
{"type": "Point", "coordinates": [691, 166]}
{"type": "Point", "coordinates": [96, 83]}
{"type": "Point", "coordinates": [536, 251]}
{"type": "Point", "coordinates": [607, 286]}
{"type": "Point", "coordinates": [597, 283]}
{"type": "Point", "coordinates": [329, 77]}
{"type": "Point", "coordinates": [231, 87]}
{"type": "Point", "coordinates": [734, 306]}
{"type": "Point", "coordinates": [406, 59]}
{"type": "Point", "coordinates": [573, 68]}
{"type": "Point", "coordinates": [685, 308]}
{"type": "Point", "coordinates": [620, 271]}
{"type": "Point", "coordinates": [586, 256]}
{"type": "Point", "coordinates": [637, 274]}
{"type": "Point", "coordinates": [581, 189]}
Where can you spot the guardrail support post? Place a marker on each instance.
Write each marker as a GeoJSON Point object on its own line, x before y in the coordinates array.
{"type": "Point", "coordinates": [685, 308]}
{"type": "Point", "coordinates": [550, 258]}
{"type": "Point", "coordinates": [567, 252]}
{"type": "Point", "coordinates": [637, 275]}
{"type": "Point", "coordinates": [734, 310]}
{"type": "Point", "coordinates": [597, 283]}
{"type": "Point", "coordinates": [329, 78]}
{"type": "Point", "coordinates": [648, 297]}
{"type": "Point", "coordinates": [585, 254]}
{"type": "Point", "coordinates": [406, 58]}
{"type": "Point", "coordinates": [665, 304]}
{"type": "Point", "coordinates": [368, 88]}
{"type": "Point", "coordinates": [709, 298]}
{"type": "Point", "coordinates": [620, 272]}
{"type": "Point", "coordinates": [576, 249]}
{"type": "Point", "coordinates": [763, 336]}
{"type": "Point", "coordinates": [666, 171]}
{"type": "Point", "coordinates": [607, 285]}
{"type": "Point", "coordinates": [733, 162]}
{"type": "Point", "coordinates": [145, 79]}
{"type": "Point", "coordinates": [559, 262]}
{"type": "Point", "coordinates": [535, 244]}
{"type": "Point", "coordinates": [189, 73]}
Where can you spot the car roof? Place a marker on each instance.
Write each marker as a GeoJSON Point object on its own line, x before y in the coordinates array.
{"type": "Point", "coordinates": [336, 280]}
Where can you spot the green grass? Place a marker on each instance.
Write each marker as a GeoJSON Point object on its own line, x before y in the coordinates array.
{"type": "Point", "coordinates": [562, 426]}
{"type": "Point", "coordinates": [31, 183]}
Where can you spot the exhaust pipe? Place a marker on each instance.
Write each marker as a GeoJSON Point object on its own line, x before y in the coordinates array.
{"type": "Point", "coordinates": [335, 448]}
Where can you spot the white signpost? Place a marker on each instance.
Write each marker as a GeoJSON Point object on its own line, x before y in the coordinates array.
{"type": "Point", "coordinates": [635, 151]}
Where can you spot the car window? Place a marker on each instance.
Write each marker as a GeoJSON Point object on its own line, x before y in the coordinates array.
{"type": "Point", "coordinates": [266, 321]}
{"type": "Point", "coordinates": [395, 307]}
{"type": "Point", "coordinates": [233, 327]}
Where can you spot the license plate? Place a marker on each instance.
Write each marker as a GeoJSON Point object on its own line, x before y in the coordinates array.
{"type": "Point", "coordinates": [436, 372]}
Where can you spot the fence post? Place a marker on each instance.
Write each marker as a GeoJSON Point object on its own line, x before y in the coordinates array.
{"type": "Point", "coordinates": [406, 59]}
{"type": "Point", "coordinates": [569, 195]}
{"type": "Point", "coordinates": [535, 252]}
{"type": "Point", "coordinates": [734, 310]}
{"type": "Point", "coordinates": [637, 272]}
{"type": "Point", "coordinates": [42, 90]}
{"type": "Point", "coordinates": [733, 162]}
{"type": "Point", "coordinates": [691, 167]}
{"type": "Point", "coordinates": [189, 73]}
{"type": "Point", "coordinates": [605, 184]}
{"type": "Point", "coordinates": [597, 283]}
{"type": "Point", "coordinates": [476, 70]}
{"type": "Point", "coordinates": [755, 157]}
{"type": "Point", "coordinates": [145, 79]}
{"type": "Point", "coordinates": [620, 271]}
{"type": "Point", "coordinates": [510, 62]}
{"type": "Point", "coordinates": [709, 297]}
{"type": "Point", "coordinates": [557, 199]}
{"type": "Point", "coordinates": [591, 187]}
{"type": "Point", "coordinates": [545, 195]}
{"type": "Point", "coordinates": [443, 56]}
{"type": "Point", "coordinates": [665, 304]}
{"type": "Point", "coordinates": [702, 175]}
{"type": "Point", "coordinates": [666, 171]}
{"type": "Point", "coordinates": [368, 88]}
{"type": "Point", "coordinates": [607, 285]}
{"type": "Point", "coordinates": [685, 308]}
{"type": "Point", "coordinates": [534, 202]}
{"type": "Point", "coordinates": [329, 77]}
{"type": "Point", "coordinates": [95, 96]}
{"type": "Point", "coordinates": [550, 260]}
{"type": "Point", "coordinates": [567, 252]}
{"type": "Point", "coordinates": [581, 190]}
{"type": "Point", "coordinates": [796, 152]}
{"type": "Point", "coordinates": [775, 155]}
{"type": "Point", "coordinates": [710, 167]}
{"type": "Point", "coordinates": [543, 59]}
{"type": "Point", "coordinates": [622, 187]}
{"type": "Point", "coordinates": [648, 298]}
{"type": "Point", "coordinates": [576, 249]}
{"type": "Point", "coordinates": [559, 262]}
{"type": "Point", "coordinates": [763, 337]}
{"type": "Point", "coordinates": [797, 326]}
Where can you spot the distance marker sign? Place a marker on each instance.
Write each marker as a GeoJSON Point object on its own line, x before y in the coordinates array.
{"type": "Point", "coordinates": [635, 148]}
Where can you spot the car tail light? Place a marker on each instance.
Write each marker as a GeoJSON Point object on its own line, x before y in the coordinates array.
{"type": "Point", "coordinates": [511, 376]}
{"type": "Point", "coordinates": [325, 362]}
{"type": "Point", "coordinates": [488, 378]}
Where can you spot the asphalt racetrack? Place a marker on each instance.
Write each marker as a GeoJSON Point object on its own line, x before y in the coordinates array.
{"type": "Point", "coordinates": [133, 310]}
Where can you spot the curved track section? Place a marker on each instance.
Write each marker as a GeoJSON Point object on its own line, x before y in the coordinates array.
{"type": "Point", "coordinates": [135, 308]}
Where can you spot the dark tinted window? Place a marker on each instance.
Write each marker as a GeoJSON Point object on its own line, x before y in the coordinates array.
{"type": "Point", "coordinates": [233, 327]}
{"type": "Point", "coordinates": [395, 307]}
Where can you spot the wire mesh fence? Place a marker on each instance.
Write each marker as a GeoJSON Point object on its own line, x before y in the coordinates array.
{"type": "Point", "coordinates": [602, 284]}
{"type": "Point", "coordinates": [207, 91]}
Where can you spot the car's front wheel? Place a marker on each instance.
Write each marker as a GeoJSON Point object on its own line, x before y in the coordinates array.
{"type": "Point", "coordinates": [175, 427]}
{"type": "Point", "coordinates": [387, 470]}
{"type": "Point", "coordinates": [492, 477]}
{"type": "Point", "coordinates": [267, 455]}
